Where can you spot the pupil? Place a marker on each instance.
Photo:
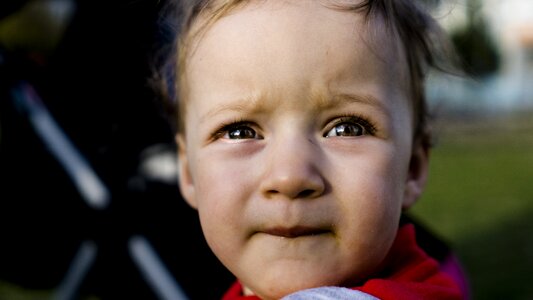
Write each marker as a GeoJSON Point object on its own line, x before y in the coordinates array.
{"type": "Point", "coordinates": [241, 133]}
{"type": "Point", "coordinates": [348, 130]}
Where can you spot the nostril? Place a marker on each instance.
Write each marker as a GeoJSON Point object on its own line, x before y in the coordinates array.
{"type": "Point", "coordinates": [306, 193]}
{"type": "Point", "coordinates": [272, 192]}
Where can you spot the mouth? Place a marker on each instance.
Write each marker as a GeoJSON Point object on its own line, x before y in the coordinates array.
{"type": "Point", "coordinates": [294, 232]}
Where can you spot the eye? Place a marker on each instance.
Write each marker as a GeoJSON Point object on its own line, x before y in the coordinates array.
{"type": "Point", "coordinates": [349, 127]}
{"type": "Point", "coordinates": [241, 132]}
{"type": "Point", "coordinates": [346, 129]}
{"type": "Point", "coordinates": [237, 131]}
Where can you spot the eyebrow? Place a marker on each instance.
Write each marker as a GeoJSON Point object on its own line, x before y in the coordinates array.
{"type": "Point", "coordinates": [324, 103]}
{"type": "Point", "coordinates": [252, 104]}
{"type": "Point", "coordinates": [320, 102]}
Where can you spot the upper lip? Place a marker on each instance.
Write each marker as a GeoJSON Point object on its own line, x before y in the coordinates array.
{"type": "Point", "coordinates": [295, 231]}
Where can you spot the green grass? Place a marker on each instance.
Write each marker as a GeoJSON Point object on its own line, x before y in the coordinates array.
{"type": "Point", "coordinates": [10, 291]}
{"type": "Point", "coordinates": [14, 292]}
{"type": "Point", "coordinates": [480, 198]}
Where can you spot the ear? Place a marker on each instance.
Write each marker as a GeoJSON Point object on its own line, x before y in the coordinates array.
{"type": "Point", "coordinates": [418, 173]}
{"type": "Point", "coordinates": [185, 181]}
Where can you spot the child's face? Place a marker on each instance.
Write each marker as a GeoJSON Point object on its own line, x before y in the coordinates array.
{"type": "Point", "coordinates": [298, 145]}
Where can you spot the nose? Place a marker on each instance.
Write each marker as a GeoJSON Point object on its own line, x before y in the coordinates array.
{"type": "Point", "coordinates": [293, 171]}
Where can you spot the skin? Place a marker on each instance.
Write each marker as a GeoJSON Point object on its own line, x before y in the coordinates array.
{"type": "Point", "coordinates": [287, 199]}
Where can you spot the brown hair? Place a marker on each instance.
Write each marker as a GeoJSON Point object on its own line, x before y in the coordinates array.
{"type": "Point", "coordinates": [424, 42]}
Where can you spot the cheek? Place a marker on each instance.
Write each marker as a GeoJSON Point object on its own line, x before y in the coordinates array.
{"type": "Point", "coordinates": [373, 188]}
{"type": "Point", "coordinates": [375, 203]}
{"type": "Point", "coordinates": [221, 191]}
{"type": "Point", "coordinates": [380, 172]}
{"type": "Point", "coordinates": [373, 212]}
{"type": "Point", "coordinates": [216, 190]}
{"type": "Point", "coordinates": [370, 211]}
{"type": "Point", "coordinates": [221, 181]}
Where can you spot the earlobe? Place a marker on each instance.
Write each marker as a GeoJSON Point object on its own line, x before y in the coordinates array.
{"type": "Point", "coordinates": [418, 173]}
{"type": "Point", "coordinates": [185, 180]}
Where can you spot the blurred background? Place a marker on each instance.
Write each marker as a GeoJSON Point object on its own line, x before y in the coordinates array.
{"type": "Point", "coordinates": [480, 196]}
{"type": "Point", "coordinates": [89, 208]}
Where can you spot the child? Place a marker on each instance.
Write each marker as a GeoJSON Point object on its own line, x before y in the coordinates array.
{"type": "Point", "coordinates": [302, 138]}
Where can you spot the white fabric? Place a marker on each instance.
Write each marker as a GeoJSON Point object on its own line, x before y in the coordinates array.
{"type": "Point", "coordinates": [329, 293]}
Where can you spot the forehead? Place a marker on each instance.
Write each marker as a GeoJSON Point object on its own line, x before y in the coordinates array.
{"type": "Point", "coordinates": [284, 39]}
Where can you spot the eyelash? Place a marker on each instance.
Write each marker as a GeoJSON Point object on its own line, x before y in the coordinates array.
{"type": "Point", "coordinates": [367, 124]}
{"type": "Point", "coordinates": [228, 126]}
